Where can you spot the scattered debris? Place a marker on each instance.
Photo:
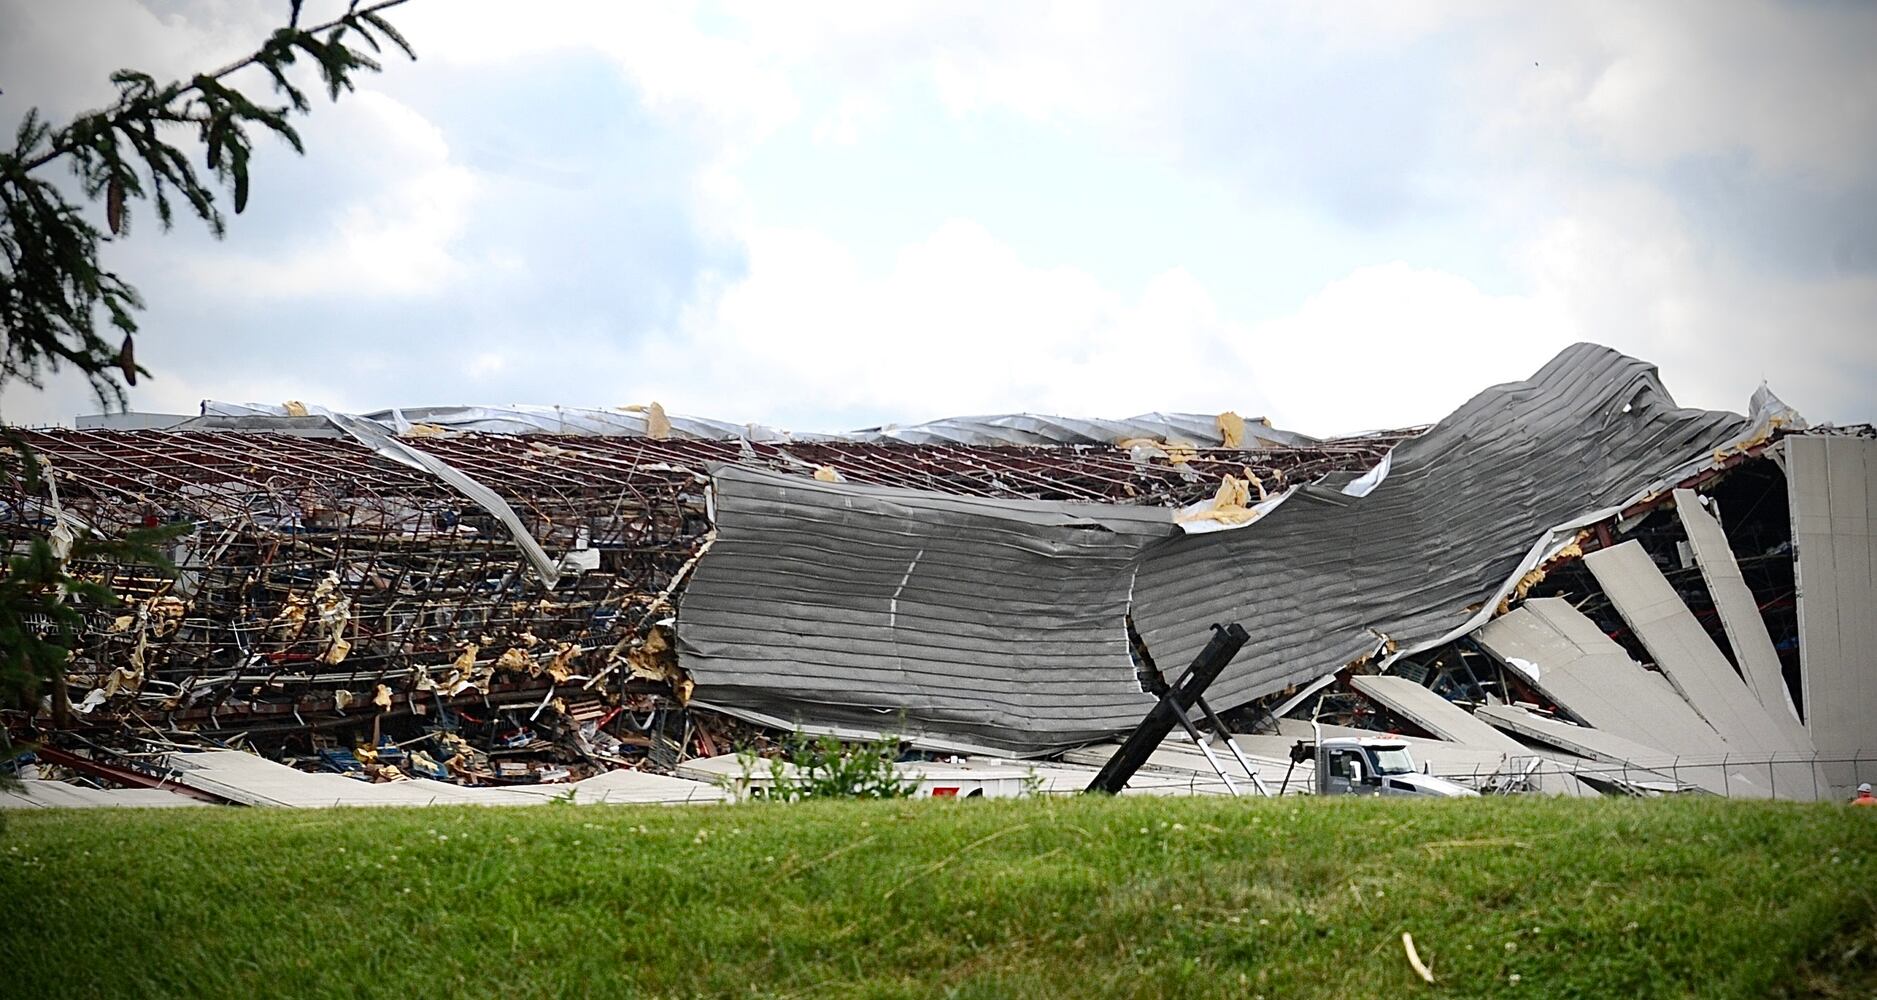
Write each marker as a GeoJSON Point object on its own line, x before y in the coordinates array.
{"type": "Point", "coordinates": [1568, 585]}
{"type": "Point", "coordinates": [1414, 959]}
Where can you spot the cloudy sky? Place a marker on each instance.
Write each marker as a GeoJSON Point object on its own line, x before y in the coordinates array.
{"type": "Point", "coordinates": [825, 217]}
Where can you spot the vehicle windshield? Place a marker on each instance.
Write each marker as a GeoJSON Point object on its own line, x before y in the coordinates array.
{"type": "Point", "coordinates": [1392, 760]}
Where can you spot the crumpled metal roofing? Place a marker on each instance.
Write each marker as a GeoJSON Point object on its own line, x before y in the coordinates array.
{"type": "Point", "coordinates": [1196, 429]}
{"type": "Point", "coordinates": [516, 419]}
{"type": "Point", "coordinates": [1324, 579]}
{"type": "Point", "coordinates": [988, 623]}
{"type": "Point", "coordinates": [1328, 578]}
{"type": "Point", "coordinates": [1022, 429]}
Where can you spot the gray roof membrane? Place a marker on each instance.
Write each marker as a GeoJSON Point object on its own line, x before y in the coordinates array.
{"type": "Point", "coordinates": [1325, 577]}
{"type": "Point", "coordinates": [999, 624]}
{"type": "Point", "coordinates": [996, 624]}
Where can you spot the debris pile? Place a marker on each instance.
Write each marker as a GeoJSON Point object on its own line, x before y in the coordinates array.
{"type": "Point", "coordinates": [341, 607]}
{"type": "Point", "coordinates": [1569, 586]}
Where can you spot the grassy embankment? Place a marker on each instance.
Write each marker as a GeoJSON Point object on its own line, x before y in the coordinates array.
{"type": "Point", "coordinates": [1067, 898]}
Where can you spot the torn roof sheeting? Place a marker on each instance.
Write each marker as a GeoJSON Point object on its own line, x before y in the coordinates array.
{"type": "Point", "coordinates": [1202, 430]}
{"type": "Point", "coordinates": [1326, 577]}
{"type": "Point", "coordinates": [1199, 430]}
{"type": "Point", "coordinates": [1018, 641]}
{"type": "Point", "coordinates": [987, 623]}
{"type": "Point", "coordinates": [512, 419]}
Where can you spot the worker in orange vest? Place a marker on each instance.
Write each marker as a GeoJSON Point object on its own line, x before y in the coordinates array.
{"type": "Point", "coordinates": [1864, 797]}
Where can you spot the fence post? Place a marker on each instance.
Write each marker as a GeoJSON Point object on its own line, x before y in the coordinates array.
{"type": "Point", "coordinates": [1772, 779]}
{"type": "Point", "coordinates": [1727, 789]}
{"type": "Point", "coordinates": [1815, 775]}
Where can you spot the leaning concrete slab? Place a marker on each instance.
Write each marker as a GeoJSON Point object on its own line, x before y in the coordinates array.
{"type": "Point", "coordinates": [1740, 617]}
{"type": "Point", "coordinates": [1832, 485]}
{"type": "Point", "coordinates": [1565, 656]}
{"type": "Point", "coordinates": [1685, 653]}
{"type": "Point", "coordinates": [1448, 721]}
{"type": "Point", "coordinates": [1629, 763]}
{"type": "Point", "coordinates": [1622, 760]}
{"type": "Point", "coordinates": [1592, 677]}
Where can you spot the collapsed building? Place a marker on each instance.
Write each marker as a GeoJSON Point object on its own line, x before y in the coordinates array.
{"type": "Point", "coordinates": [1568, 585]}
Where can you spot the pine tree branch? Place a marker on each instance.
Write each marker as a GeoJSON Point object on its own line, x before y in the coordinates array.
{"type": "Point", "coordinates": [129, 109]}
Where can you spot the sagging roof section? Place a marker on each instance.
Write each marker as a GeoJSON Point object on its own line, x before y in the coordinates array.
{"type": "Point", "coordinates": [1326, 578]}
{"type": "Point", "coordinates": [996, 624]}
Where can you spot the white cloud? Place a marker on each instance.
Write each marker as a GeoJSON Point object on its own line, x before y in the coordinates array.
{"type": "Point", "coordinates": [853, 114]}
{"type": "Point", "coordinates": [733, 89]}
{"type": "Point", "coordinates": [394, 241]}
{"type": "Point", "coordinates": [1547, 133]}
{"type": "Point", "coordinates": [1793, 85]}
{"type": "Point", "coordinates": [1394, 344]}
{"type": "Point", "coordinates": [1619, 268]}
{"type": "Point", "coordinates": [959, 324]}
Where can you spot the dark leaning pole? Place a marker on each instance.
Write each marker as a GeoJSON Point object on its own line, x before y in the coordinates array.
{"type": "Point", "coordinates": [1171, 711]}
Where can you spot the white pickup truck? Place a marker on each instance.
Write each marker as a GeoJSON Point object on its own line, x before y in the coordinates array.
{"type": "Point", "coordinates": [1365, 765]}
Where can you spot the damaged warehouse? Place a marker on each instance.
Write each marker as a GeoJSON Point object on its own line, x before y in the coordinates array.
{"type": "Point", "coordinates": [1569, 585]}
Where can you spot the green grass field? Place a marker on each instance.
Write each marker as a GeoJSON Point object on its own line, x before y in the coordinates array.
{"type": "Point", "coordinates": [1065, 898]}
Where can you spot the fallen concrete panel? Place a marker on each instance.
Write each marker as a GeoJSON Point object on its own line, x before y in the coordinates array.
{"type": "Point", "coordinates": [1833, 494]}
{"type": "Point", "coordinates": [1430, 711]}
{"type": "Point", "coordinates": [1792, 778]}
{"type": "Point", "coordinates": [1565, 655]}
{"type": "Point", "coordinates": [40, 794]}
{"type": "Point", "coordinates": [1682, 648]}
{"type": "Point", "coordinates": [1740, 618]}
{"type": "Point", "coordinates": [256, 781]}
{"type": "Point", "coordinates": [621, 787]}
{"type": "Point", "coordinates": [1636, 761]}
{"type": "Point", "coordinates": [1450, 722]}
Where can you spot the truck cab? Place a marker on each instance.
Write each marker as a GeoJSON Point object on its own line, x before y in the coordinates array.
{"type": "Point", "coordinates": [1350, 765]}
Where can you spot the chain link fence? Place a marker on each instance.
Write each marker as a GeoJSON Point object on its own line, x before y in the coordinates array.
{"type": "Point", "coordinates": [1786, 776]}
